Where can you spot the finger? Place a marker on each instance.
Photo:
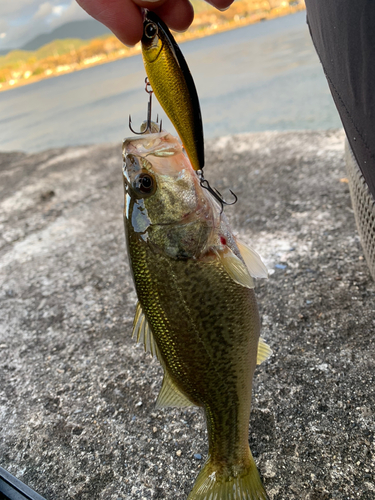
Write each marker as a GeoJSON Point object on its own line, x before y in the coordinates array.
{"type": "Point", "coordinates": [220, 4]}
{"type": "Point", "coordinates": [122, 17]}
{"type": "Point", "coordinates": [149, 4]}
{"type": "Point", "coordinates": [177, 14]}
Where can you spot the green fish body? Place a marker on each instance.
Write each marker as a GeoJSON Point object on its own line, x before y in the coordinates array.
{"type": "Point", "coordinates": [197, 309]}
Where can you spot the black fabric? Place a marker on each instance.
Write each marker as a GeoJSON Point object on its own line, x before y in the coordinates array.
{"type": "Point", "coordinates": [12, 488]}
{"type": "Point", "coordinates": [343, 32]}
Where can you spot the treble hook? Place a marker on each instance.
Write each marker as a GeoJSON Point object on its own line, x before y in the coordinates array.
{"type": "Point", "coordinates": [215, 193]}
{"type": "Point", "coordinates": [148, 128]}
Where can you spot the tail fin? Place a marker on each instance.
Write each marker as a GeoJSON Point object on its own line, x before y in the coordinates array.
{"type": "Point", "coordinates": [245, 486]}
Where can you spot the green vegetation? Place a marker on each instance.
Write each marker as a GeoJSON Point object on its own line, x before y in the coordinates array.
{"type": "Point", "coordinates": [55, 57]}
{"type": "Point", "coordinates": [57, 47]}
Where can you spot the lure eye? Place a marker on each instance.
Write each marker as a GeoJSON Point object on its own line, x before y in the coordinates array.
{"type": "Point", "coordinates": [144, 184]}
{"type": "Point", "coordinates": [151, 30]}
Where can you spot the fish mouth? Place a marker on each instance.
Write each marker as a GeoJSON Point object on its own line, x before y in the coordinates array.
{"type": "Point", "coordinates": [157, 152]}
{"type": "Point", "coordinates": [143, 145]}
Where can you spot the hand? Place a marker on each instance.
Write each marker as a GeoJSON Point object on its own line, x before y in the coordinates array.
{"type": "Point", "coordinates": [124, 17]}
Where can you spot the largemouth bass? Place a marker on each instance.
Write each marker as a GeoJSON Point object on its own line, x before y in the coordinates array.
{"type": "Point", "coordinates": [197, 310]}
{"type": "Point", "coordinates": [173, 86]}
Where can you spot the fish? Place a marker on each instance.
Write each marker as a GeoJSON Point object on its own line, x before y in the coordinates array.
{"type": "Point", "coordinates": [173, 85]}
{"type": "Point", "coordinates": [196, 311]}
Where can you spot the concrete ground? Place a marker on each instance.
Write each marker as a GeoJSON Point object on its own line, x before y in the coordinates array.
{"type": "Point", "coordinates": [77, 396]}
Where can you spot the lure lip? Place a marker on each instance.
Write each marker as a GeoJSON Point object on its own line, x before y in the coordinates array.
{"type": "Point", "coordinates": [167, 37]}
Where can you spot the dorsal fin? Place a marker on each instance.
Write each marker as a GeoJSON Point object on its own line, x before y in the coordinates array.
{"type": "Point", "coordinates": [142, 332]}
{"type": "Point", "coordinates": [171, 396]}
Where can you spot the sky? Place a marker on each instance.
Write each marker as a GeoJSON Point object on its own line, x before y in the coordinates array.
{"type": "Point", "coordinates": [22, 20]}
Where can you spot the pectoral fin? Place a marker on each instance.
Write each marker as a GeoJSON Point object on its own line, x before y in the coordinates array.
{"type": "Point", "coordinates": [252, 260]}
{"type": "Point", "coordinates": [171, 396]}
{"type": "Point", "coordinates": [235, 267]}
{"type": "Point", "coordinates": [264, 351]}
{"type": "Point", "coordinates": [142, 332]}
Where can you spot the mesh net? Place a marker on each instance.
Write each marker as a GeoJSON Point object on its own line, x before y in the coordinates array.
{"type": "Point", "coordinates": [364, 208]}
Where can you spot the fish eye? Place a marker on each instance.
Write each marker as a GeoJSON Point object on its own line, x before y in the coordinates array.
{"type": "Point", "coordinates": [144, 184]}
{"type": "Point", "coordinates": [151, 30]}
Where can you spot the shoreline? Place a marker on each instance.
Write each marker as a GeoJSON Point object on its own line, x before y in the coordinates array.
{"type": "Point", "coordinates": [189, 35]}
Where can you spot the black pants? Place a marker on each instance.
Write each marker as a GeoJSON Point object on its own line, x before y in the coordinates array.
{"type": "Point", "coordinates": [343, 32]}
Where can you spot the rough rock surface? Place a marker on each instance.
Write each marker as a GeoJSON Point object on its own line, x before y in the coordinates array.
{"type": "Point", "coordinates": [77, 414]}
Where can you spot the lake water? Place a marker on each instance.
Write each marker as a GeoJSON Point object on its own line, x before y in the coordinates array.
{"type": "Point", "coordinates": [265, 76]}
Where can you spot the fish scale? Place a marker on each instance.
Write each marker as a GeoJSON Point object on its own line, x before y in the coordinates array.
{"type": "Point", "coordinates": [194, 349]}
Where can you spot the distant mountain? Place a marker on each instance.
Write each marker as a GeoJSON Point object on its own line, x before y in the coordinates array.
{"type": "Point", "coordinates": [4, 52]}
{"type": "Point", "coordinates": [84, 30]}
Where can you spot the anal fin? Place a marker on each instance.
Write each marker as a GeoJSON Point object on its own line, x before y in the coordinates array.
{"type": "Point", "coordinates": [264, 351]}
